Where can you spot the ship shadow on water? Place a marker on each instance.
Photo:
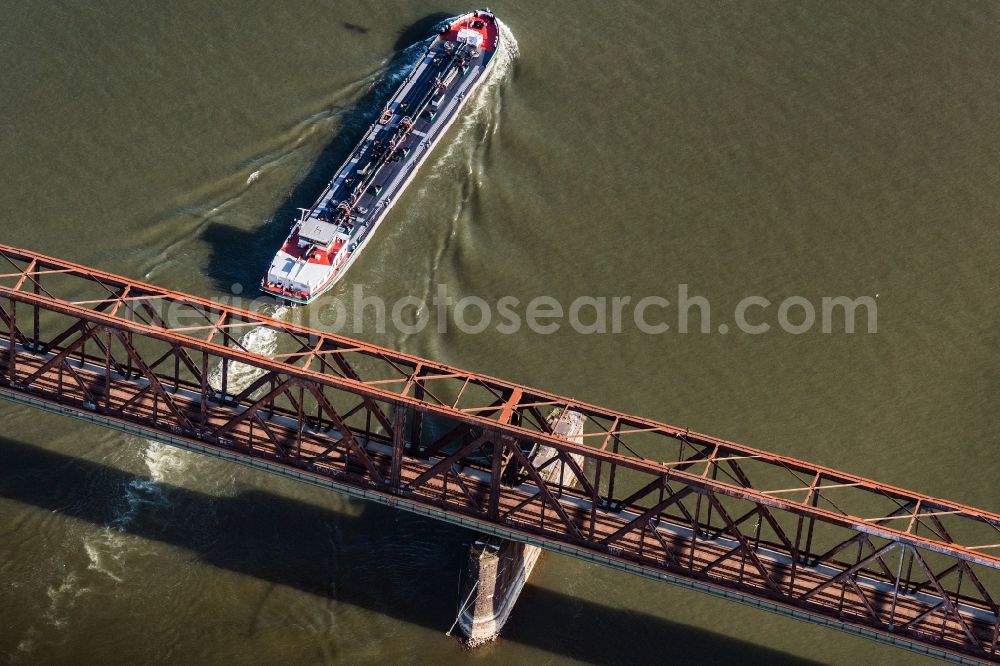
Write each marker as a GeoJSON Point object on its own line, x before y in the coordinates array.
{"type": "Point", "coordinates": [285, 542]}
{"type": "Point", "coordinates": [239, 256]}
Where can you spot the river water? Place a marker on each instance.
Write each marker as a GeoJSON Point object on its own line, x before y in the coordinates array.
{"type": "Point", "coordinates": [769, 149]}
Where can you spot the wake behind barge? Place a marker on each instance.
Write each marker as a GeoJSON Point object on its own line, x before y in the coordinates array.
{"type": "Point", "coordinates": [327, 238]}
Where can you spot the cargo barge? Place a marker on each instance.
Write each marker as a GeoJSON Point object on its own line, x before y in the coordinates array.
{"type": "Point", "coordinates": [327, 238]}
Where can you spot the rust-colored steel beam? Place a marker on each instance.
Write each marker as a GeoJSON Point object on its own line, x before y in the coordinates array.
{"type": "Point", "coordinates": [650, 498]}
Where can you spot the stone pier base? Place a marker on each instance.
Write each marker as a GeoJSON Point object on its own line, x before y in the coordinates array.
{"type": "Point", "coordinates": [497, 568]}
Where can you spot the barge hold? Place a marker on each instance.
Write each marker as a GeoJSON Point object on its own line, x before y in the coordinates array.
{"type": "Point", "coordinates": [329, 236]}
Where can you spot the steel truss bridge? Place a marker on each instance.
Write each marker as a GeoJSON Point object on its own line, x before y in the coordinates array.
{"type": "Point", "coordinates": [652, 499]}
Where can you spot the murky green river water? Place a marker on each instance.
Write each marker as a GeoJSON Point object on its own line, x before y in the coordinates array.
{"type": "Point", "coordinates": [767, 149]}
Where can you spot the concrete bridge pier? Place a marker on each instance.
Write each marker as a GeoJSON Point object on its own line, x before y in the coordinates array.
{"type": "Point", "coordinates": [497, 569]}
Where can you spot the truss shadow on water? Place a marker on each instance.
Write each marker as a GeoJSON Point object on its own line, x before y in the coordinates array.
{"type": "Point", "coordinates": [389, 562]}
{"type": "Point", "coordinates": [242, 257]}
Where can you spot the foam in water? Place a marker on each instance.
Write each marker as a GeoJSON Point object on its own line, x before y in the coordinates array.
{"type": "Point", "coordinates": [27, 644]}
{"type": "Point", "coordinates": [166, 464]}
{"type": "Point", "coordinates": [260, 340]}
{"type": "Point", "coordinates": [163, 460]}
{"type": "Point", "coordinates": [482, 109]}
{"type": "Point", "coordinates": [484, 106]}
{"type": "Point", "coordinates": [98, 556]}
{"type": "Point", "coordinates": [62, 599]}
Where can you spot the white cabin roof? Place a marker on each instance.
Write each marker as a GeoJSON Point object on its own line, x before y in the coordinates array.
{"type": "Point", "coordinates": [318, 231]}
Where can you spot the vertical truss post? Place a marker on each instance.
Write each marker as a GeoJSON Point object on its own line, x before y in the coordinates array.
{"type": "Point", "coordinates": [300, 423]}
{"type": "Point", "coordinates": [909, 564]}
{"type": "Point", "coordinates": [416, 418]}
{"type": "Point", "coordinates": [715, 472]}
{"type": "Point", "coordinates": [36, 289]}
{"type": "Point", "coordinates": [595, 499]}
{"type": "Point", "coordinates": [611, 476]}
{"type": "Point", "coordinates": [204, 391]}
{"type": "Point", "coordinates": [224, 387]}
{"type": "Point", "coordinates": [107, 372]}
{"type": "Point", "coordinates": [177, 369]}
{"type": "Point", "coordinates": [398, 444]}
{"type": "Point", "coordinates": [795, 554]}
{"type": "Point", "coordinates": [128, 357]}
{"type": "Point", "coordinates": [813, 501]}
{"type": "Point", "coordinates": [496, 471]}
{"type": "Point", "coordinates": [695, 524]}
{"type": "Point", "coordinates": [12, 344]}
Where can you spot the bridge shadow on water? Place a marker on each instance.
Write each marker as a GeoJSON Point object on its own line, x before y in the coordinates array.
{"type": "Point", "coordinates": [241, 256]}
{"type": "Point", "coordinates": [285, 542]}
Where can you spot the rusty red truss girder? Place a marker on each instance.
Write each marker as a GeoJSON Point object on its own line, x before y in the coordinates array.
{"type": "Point", "coordinates": [648, 497]}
